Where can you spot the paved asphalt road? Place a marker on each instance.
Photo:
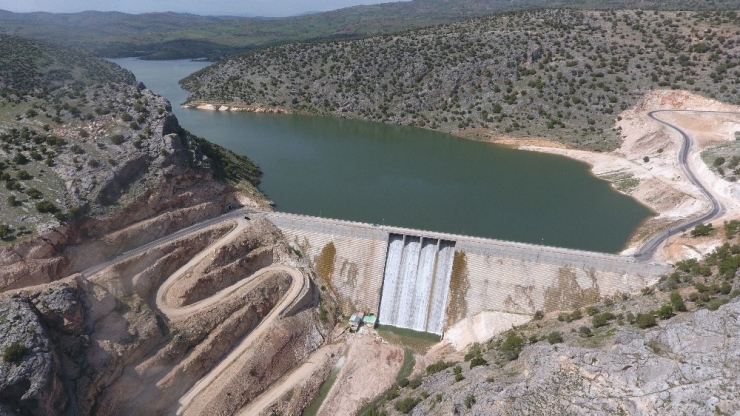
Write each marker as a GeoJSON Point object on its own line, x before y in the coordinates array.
{"type": "Point", "coordinates": [646, 252]}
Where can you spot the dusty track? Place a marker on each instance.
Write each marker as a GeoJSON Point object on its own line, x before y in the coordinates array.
{"type": "Point", "coordinates": [287, 383]}
{"type": "Point", "coordinates": [204, 383]}
{"type": "Point", "coordinates": [298, 286]}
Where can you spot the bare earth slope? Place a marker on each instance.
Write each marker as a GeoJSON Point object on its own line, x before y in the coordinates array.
{"type": "Point", "coordinates": [660, 182]}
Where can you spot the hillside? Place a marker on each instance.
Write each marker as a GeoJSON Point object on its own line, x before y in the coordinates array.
{"type": "Point", "coordinates": [178, 36]}
{"type": "Point", "coordinates": [26, 64]}
{"type": "Point", "coordinates": [81, 145]}
{"type": "Point", "coordinates": [106, 200]}
{"type": "Point", "coordinates": [565, 75]}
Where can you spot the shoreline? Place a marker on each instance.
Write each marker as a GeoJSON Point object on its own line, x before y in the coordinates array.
{"type": "Point", "coordinates": [235, 108]}
{"type": "Point", "coordinates": [645, 167]}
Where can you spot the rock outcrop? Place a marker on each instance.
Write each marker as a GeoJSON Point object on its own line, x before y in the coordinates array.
{"type": "Point", "coordinates": [688, 365]}
{"type": "Point", "coordinates": [43, 335]}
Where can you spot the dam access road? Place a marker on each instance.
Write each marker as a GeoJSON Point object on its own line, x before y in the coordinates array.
{"type": "Point", "coordinates": [300, 280]}
{"type": "Point", "coordinates": [648, 249]}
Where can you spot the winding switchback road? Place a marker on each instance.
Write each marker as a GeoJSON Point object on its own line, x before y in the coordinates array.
{"type": "Point", "coordinates": [299, 285]}
{"type": "Point", "coordinates": [646, 252]}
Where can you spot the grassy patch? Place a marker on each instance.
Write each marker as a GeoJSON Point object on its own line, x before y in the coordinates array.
{"type": "Point", "coordinates": [420, 342]}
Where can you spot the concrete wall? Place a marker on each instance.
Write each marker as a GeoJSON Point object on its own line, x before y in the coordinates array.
{"type": "Point", "coordinates": [349, 259]}
{"type": "Point", "coordinates": [487, 275]}
{"type": "Point", "coordinates": [486, 282]}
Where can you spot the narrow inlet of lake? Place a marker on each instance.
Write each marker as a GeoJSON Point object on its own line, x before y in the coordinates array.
{"type": "Point", "coordinates": [410, 177]}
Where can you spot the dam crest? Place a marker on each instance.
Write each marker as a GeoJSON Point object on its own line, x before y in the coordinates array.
{"type": "Point", "coordinates": [428, 281]}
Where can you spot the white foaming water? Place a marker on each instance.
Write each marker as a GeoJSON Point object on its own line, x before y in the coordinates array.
{"type": "Point", "coordinates": [407, 280]}
{"type": "Point", "coordinates": [390, 286]}
{"type": "Point", "coordinates": [417, 319]}
{"type": "Point", "coordinates": [443, 271]}
{"type": "Point", "coordinates": [416, 283]}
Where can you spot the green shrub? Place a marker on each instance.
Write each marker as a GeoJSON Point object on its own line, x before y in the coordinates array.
{"type": "Point", "coordinates": [591, 310]}
{"type": "Point", "coordinates": [665, 312]}
{"type": "Point", "coordinates": [407, 405]}
{"type": "Point", "coordinates": [478, 361]}
{"type": "Point", "coordinates": [23, 175]}
{"type": "Point", "coordinates": [585, 331]}
{"type": "Point", "coordinates": [644, 320]}
{"type": "Point", "coordinates": [714, 304]}
{"type": "Point", "coordinates": [438, 366]}
{"type": "Point", "coordinates": [33, 193]}
{"type": "Point", "coordinates": [602, 319]}
{"type": "Point", "coordinates": [576, 315]}
{"type": "Point", "coordinates": [538, 315]}
{"type": "Point", "coordinates": [555, 337]}
{"type": "Point", "coordinates": [702, 230]}
{"type": "Point", "coordinates": [677, 302]}
{"type": "Point", "coordinates": [14, 352]}
{"type": "Point", "coordinates": [403, 382]}
{"type": "Point", "coordinates": [469, 401]}
{"type": "Point", "coordinates": [512, 346]}
{"type": "Point", "coordinates": [415, 382]}
{"type": "Point", "coordinates": [475, 351]}
{"type": "Point", "coordinates": [116, 139]}
{"type": "Point", "coordinates": [20, 159]}
{"type": "Point", "coordinates": [46, 206]}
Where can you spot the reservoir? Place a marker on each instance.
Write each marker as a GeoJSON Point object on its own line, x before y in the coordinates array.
{"type": "Point", "coordinates": [410, 177]}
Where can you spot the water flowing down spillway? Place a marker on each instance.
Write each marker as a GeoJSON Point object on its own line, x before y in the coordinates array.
{"type": "Point", "coordinates": [416, 283]}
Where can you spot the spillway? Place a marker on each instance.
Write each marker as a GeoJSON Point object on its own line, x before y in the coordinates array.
{"type": "Point", "coordinates": [416, 283]}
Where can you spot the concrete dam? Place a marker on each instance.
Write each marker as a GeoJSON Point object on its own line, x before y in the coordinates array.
{"type": "Point", "coordinates": [428, 281]}
{"type": "Point", "coordinates": [416, 282]}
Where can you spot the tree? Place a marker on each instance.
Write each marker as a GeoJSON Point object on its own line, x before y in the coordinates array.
{"type": "Point", "coordinates": [46, 207]}
{"type": "Point", "coordinates": [14, 352]}
{"type": "Point", "coordinates": [33, 193]}
{"type": "Point", "coordinates": [644, 320]}
{"type": "Point", "coordinates": [20, 159]}
{"type": "Point", "coordinates": [555, 337]}
{"type": "Point", "coordinates": [677, 302]}
{"type": "Point", "coordinates": [702, 230]}
{"type": "Point", "coordinates": [665, 312]}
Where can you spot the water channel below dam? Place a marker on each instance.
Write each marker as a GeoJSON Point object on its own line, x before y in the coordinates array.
{"type": "Point", "coordinates": [410, 177]}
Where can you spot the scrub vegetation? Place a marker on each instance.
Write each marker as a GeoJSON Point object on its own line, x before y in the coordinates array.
{"type": "Point", "coordinates": [561, 74]}
{"type": "Point", "coordinates": [181, 36]}
{"type": "Point", "coordinates": [76, 134]}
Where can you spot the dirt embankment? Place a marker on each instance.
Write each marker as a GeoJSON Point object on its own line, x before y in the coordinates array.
{"type": "Point", "coordinates": [370, 369]}
{"type": "Point", "coordinates": [237, 108]}
{"type": "Point", "coordinates": [130, 358]}
{"type": "Point", "coordinates": [646, 166]}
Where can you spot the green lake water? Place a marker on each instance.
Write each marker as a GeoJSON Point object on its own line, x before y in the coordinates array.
{"type": "Point", "coordinates": [410, 177]}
